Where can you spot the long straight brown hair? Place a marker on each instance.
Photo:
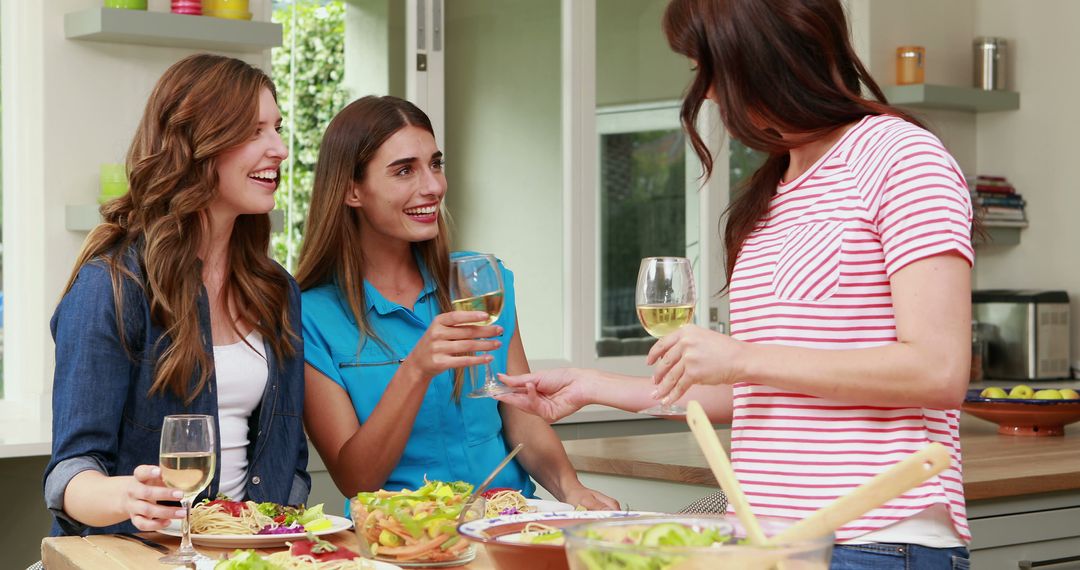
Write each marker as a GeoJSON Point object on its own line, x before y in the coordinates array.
{"type": "Point", "coordinates": [331, 250]}
{"type": "Point", "coordinates": [173, 179]}
{"type": "Point", "coordinates": [787, 64]}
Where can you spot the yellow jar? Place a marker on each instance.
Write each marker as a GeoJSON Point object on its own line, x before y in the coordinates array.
{"type": "Point", "coordinates": [910, 61]}
{"type": "Point", "coordinates": [231, 9]}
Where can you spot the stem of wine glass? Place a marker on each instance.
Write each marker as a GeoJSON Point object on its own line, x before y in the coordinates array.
{"type": "Point", "coordinates": [489, 377]}
{"type": "Point", "coordinates": [185, 527]}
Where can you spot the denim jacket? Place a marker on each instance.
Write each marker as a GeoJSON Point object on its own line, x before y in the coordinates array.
{"type": "Point", "coordinates": [104, 418]}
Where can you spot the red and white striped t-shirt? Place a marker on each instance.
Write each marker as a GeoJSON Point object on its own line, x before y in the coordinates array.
{"type": "Point", "coordinates": [815, 273]}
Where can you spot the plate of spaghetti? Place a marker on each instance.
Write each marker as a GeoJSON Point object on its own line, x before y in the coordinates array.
{"type": "Point", "coordinates": [226, 523]}
{"type": "Point", "coordinates": [506, 501]}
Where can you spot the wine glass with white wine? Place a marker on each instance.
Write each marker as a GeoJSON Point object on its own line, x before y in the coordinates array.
{"type": "Point", "coordinates": [666, 296]}
{"type": "Point", "coordinates": [187, 464]}
{"type": "Point", "coordinates": [476, 285]}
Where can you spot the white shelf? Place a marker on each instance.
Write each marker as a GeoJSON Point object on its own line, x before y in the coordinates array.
{"type": "Point", "coordinates": [951, 98]}
{"type": "Point", "coordinates": [84, 217]}
{"type": "Point", "coordinates": [1001, 233]}
{"type": "Point", "coordinates": [170, 30]}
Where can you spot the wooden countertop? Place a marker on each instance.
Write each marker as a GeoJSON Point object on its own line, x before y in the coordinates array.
{"type": "Point", "coordinates": [110, 552]}
{"type": "Point", "coordinates": [995, 466]}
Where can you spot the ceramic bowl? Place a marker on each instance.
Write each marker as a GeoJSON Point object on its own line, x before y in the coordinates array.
{"type": "Point", "coordinates": [499, 534]}
{"type": "Point", "coordinates": [1028, 417]}
{"type": "Point", "coordinates": [604, 544]}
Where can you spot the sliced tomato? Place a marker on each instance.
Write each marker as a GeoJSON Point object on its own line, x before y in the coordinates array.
{"type": "Point", "coordinates": [234, 508]}
{"type": "Point", "coordinates": [302, 547]}
{"type": "Point", "coordinates": [495, 490]}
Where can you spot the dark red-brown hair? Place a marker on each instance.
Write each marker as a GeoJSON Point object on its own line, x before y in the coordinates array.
{"type": "Point", "coordinates": [774, 66]}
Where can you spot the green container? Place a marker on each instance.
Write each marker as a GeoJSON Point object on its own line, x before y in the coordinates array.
{"type": "Point", "coordinates": [126, 4]}
{"type": "Point", "coordinates": [114, 182]}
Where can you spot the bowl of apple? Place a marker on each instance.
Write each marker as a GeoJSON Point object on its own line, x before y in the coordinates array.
{"type": "Point", "coordinates": [1023, 410]}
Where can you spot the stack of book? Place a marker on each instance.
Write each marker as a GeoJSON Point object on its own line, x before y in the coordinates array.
{"type": "Point", "coordinates": [997, 202]}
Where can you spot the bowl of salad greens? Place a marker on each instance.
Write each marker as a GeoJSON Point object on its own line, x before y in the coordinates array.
{"type": "Point", "coordinates": [532, 541]}
{"type": "Point", "coordinates": [690, 542]}
{"type": "Point", "coordinates": [415, 528]}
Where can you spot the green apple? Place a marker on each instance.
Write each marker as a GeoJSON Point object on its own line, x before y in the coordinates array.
{"type": "Point", "coordinates": [1021, 392]}
{"type": "Point", "coordinates": [1069, 394]}
{"type": "Point", "coordinates": [1048, 394]}
{"type": "Point", "coordinates": [993, 392]}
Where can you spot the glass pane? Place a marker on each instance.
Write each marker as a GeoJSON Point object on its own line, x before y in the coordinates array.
{"type": "Point", "coordinates": [308, 71]}
{"type": "Point", "coordinates": [643, 213]}
{"type": "Point", "coordinates": [743, 161]}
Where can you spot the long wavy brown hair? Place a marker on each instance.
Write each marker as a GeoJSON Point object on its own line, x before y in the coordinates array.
{"type": "Point", "coordinates": [774, 66]}
{"type": "Point", "coordinates": [172, 177]}
{"type": "Point", "coordinates": [331, 250]}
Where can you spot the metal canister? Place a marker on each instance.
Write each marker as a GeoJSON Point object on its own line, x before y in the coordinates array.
{"type": "Point", "coordinates": [990, 63]}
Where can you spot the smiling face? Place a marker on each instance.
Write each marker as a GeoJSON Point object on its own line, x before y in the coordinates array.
{"type": "Point", "coordinates": [402, 189]}
{"type": "Point", "coordinates": [248, 174]}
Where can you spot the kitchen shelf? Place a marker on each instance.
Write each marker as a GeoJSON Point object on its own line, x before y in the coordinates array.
{"type": "Point", "coordinates": [951, 98]}
{"type": "Point", "coordinates": [84, 217]}
{"type": "Point", "coordinates": [1001, 233]}
{"type": "Point", "coordinates": [171, 30]}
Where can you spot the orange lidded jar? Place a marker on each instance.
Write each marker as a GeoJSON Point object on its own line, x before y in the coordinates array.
{"type": "Point", "coordinates": [910, 65]}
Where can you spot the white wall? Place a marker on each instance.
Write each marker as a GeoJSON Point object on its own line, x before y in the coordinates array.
{"type": "Point", "coordinates": [946, 30]}
{"type": "Point", "coordinates": [1036, 147]}
{"type": "Point", "coordinates": [78, 105]}
{"type": "Point", "coordinates": [503, 150]}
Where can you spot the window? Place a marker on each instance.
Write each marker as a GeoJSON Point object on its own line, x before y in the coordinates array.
{"type": "Point", "coordinates": [308, 71]}
{"type": "Point", "coordinates": [645, 204]}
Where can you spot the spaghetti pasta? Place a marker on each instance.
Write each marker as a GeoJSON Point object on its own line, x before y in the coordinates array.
{"type": "Point", "coordinates": [508, 502]}
{"type": "Point", "coordinates": [215, 518]}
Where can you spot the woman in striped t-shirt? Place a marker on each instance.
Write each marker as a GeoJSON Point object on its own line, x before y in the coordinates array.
{"type": "Point", "coordinates": [848, 263]}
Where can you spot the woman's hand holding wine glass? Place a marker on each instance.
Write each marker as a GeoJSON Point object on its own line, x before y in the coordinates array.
{"type": "Point", "coordinates": [141, 499]}
{"type": "Point", "coordinates": [187, 465]}
{"type": "Point", "coordinates": [448, 343]}
{"type": "Point", "coordinates": [694, 355]}
{"type": "Point", "coordinates": [476, 285]}
{"type": "Point", "coordinates": [666, 297]}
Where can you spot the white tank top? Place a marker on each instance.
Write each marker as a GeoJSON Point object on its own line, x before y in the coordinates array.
{"type": "Point", "coordinates": [241, 380]}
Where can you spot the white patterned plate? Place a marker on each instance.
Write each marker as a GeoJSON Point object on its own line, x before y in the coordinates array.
{"type": "Point", "coordinates": [337, 524]}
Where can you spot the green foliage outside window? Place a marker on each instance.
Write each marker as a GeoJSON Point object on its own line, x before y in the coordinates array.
{"type": "Point", "coordinates": [308, 71]}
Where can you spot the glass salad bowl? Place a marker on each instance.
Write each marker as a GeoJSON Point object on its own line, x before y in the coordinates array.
{"type": "Point", "coordinates": [690, 542]}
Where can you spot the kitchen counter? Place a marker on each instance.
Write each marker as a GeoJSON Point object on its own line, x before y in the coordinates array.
{"type": "Point", "coordinates": [995, 466]}
{"type": "Point", "coordinates": [1023, 493]}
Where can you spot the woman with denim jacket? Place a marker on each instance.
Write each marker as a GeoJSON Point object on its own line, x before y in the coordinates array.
{"type": "Point", "coordinates": [384, 350]}
{"type": "Point", "coordinates": [175, 307]}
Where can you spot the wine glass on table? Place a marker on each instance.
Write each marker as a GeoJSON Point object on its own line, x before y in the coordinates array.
{"type": "Point", "coordinates": [665, 297]}
{"type": "Point", "coordinates": [187, 460]}
{"type": "Point", "coordinates": [476, 285]}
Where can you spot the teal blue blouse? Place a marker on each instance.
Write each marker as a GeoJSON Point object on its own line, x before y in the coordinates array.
{"type": "Point", "coordinates": [450, 440]}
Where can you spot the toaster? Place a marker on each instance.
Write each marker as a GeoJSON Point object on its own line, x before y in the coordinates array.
{"type": "Point", "coordinates": [1028, 333]}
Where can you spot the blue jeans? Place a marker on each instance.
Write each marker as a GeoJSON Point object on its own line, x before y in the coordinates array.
{"type": "Point", "coordinates": [890, 556]}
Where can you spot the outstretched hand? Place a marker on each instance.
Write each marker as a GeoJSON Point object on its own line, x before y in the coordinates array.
{"type": "Point", "coordinates": [550, 394]}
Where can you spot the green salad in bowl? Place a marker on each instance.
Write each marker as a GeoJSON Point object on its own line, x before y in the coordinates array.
{"type": "Point", "coordinates": [690, 542]}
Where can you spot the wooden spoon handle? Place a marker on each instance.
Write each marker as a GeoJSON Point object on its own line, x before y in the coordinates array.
{"type": "Point", "coordinates": [889, 484]}
{"type": "Point", "coordinates": [721, 468]}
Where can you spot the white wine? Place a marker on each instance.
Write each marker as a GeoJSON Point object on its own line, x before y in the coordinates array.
{"type": "Point", "coordinates": [491, 303]}
{"type": "Point", "coordinates": [660, 320]}
{"type": "Point", "coordinates": [189, 472]}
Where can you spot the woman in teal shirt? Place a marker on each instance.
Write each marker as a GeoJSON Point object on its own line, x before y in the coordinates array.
{"type": "Point", "coordinates": [384, 351]}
